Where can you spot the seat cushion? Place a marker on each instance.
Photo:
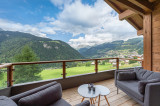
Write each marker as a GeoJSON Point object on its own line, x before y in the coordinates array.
{"type": "Point", "coordinates": [5, 101]}
{"type": "Point", "coordinates": [44, 97]}
{"type": "Point", "coordinates": [131, 87]}
{"type": "Point", "coordinates": [60, 102]}
{"type": "Point", "coordinates": [124, 76]}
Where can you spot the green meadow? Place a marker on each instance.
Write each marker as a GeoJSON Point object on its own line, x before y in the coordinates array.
{"type": "Point", "coordinates": [52, 73]}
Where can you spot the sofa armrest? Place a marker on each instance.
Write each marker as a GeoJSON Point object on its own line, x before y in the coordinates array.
{"type": "Point", "coordinates": [152, 94]}
{"type": "Point", "coordinates": [84, 103]}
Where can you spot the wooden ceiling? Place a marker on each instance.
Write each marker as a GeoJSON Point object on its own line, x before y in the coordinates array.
{"type": "Point", "coordinates": [132, 11]}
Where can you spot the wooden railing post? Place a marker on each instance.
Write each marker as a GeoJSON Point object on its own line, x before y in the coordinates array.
{"type": "Point", "coordinates": [142, 63]}
{"type": "Point", "coordinates": [64, 69]}
{"type": "Point", "coordinates": [96, 66]}
{"type": "Point", "coordinates": [10, 76]}
{"type": "Point", "coordinates": [117, 63]}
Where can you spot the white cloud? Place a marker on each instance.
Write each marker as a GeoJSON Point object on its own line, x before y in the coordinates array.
{"type": "Point", "coordinates": [12, 26]}
{"type": "Point", "coordinates": [98, 22]}
{"type": "Point", "coordinates": [60, 3]}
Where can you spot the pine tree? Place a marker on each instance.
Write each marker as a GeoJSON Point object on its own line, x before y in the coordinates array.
{"type": "Point", "coordinates": [26, 73]}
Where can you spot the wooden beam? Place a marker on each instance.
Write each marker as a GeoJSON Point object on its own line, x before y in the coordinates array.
{"type": "Point", "coordinates": [151, 0]}
{"type": "Point", "coordinates": [114, 6]}
{"type": "Point", "coordinates": [130, 6]}
{"type": "Point", "coordinates": [132, 22]}
{"type": "Point", "coordinates": [144, 4]}
{"type": "Point", "coordinates": [147, 41]}
{"type": "Point", "coordinates": [126, 14]}
{"type": "Point", "coordinates": [140, 32]}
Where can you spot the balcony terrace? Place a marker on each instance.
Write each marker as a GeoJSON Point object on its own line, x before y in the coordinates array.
{"type": "Point", "coordinates": [71, 95]}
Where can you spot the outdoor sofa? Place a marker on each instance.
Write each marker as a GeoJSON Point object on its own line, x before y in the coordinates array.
{"type": "Point", "coordinates": [46, 95]}
{"type": "Point", "coordinates": [140, 84]}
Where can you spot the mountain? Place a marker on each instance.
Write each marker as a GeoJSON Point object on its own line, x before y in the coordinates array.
{"type": "Point", "coordinates": [1, 29]}
{"type": "Point", "coordinates": [114, 49]}
{"type": "Point", "coordinates": [46, 49]}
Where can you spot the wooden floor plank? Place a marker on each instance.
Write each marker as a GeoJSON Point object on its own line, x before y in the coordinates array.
{"type": "Point", "coordinates": [120, 99]}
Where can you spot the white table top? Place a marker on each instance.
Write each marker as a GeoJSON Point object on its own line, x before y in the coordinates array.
{"type": "Point", "coordinates": [99, 90]}
{"type": "Point", "coordinates": [103, 90]}
{"type": "Point", "coordinates": [84, 91]}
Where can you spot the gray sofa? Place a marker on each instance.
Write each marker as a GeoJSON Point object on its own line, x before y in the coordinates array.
{"type": "Point", "coordinates": [46, 95]}
{"type": "Point", "coordinates": [140, 84]}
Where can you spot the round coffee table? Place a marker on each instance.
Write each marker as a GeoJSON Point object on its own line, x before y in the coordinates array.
{"type": "Point", "coordinates": [85, 93]}
{"type": "Point", "coordinates": [104, 91]}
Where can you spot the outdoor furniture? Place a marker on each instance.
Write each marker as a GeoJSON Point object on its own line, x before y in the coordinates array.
{"type": "Point", "coordinates": [104, 91]}
{"type": "Point", "coordinates": [46, 95]}
{"type": "Point", "coordinates": [86, 93]}
{"type": "Point", "coordinates": [140, 84]}
{"type": "Point", "coordinates": [100, 90]}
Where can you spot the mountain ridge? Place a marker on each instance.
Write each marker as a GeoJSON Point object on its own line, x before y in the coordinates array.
{"type": "Point", "coordinates": [46, 49]}
{"type": "Point", "coordinates": [114, 49]}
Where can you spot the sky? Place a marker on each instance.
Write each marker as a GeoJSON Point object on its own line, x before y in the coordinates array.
{"type": "Point", "coordinates": [80, 23]}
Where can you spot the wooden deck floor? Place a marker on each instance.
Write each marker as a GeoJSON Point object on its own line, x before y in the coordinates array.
{"type": "Point", "coordinates": [72, 96]}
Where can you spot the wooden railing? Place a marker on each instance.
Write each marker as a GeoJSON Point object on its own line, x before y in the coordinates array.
{"type": "Point", "coordinates": [10, 66]}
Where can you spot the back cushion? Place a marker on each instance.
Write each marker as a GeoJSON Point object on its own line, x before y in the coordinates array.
{"type": "Point", "coordinates": [154, 75]}
{"type": "Point", "coordinates": [16, 98]}
{"type": "Point", "coordinates": [43, 98]}
{"type": "Point", "coordinates": [142, 74]}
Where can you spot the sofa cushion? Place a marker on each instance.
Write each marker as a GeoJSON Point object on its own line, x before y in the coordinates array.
{"type": "Point", "coordinates": [142, 74]}
{"type": "Point", "coordinates": [122, 76]}
{"type": "Point", "coordinates": [16, 98]}
{"type": "Point", "coordinates": [44, 97]}
{"type": "Point", "coordinates": [5, 101]}
{"type": "Point", "coordinates": [60, 102]}
{"type": "Point", "coordinates": [142, 84]}
{"type": "Point", "coordinates": [131, 87]}
{"type": "Point", "coordinates": [154, 75]}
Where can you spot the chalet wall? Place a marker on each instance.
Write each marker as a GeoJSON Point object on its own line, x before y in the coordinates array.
{"type": "Point", "coordinates": [156, 38]}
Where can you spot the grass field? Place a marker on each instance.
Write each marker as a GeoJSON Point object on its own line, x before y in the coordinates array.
{"type": "Point", "coordinates": [56, 73]}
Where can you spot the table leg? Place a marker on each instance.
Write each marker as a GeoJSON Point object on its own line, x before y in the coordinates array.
{"type": "Point", "coordinates": [99, 100]}
{"type": "Point", "coordinates": [91, 100]}
{"type": "Point", "coordinates": [107, 100]}
{"type": "Point", "coordinates": [82, 99]}
{"type": "Point", "coordinates": [95, 98]}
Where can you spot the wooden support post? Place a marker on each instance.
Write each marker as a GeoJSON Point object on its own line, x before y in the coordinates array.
{"type": "Point", "coordinates": [10, 76]}
{"type": "Point", "coordinates": [64, 70]}
{"type": "Point", "coordinates": [117, 63]}
{"type": "Point", "coordinates": [96, 66]}
{"type": "Point", "coordinates": [147, 41]}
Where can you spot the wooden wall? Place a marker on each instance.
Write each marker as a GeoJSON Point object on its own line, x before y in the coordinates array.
{"type": "Point", "coordinates": [156, 38]}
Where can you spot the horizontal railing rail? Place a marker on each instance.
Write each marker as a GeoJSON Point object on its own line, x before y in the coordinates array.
{"type": "Point", "coordinates": [10, 66]}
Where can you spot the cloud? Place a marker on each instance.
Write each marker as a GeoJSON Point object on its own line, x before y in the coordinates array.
{"type": "Point", "coordinates": [60, 3]}
{"type": "Point", "coordinates": [41, 29]}
{"type": "Point", "coordinates": [98, 22]}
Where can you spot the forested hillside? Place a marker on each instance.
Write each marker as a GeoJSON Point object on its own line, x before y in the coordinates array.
{"type": "Point", "coordinates": [115, 49]}
{"type": "Point", "coordinates": [11, 44]}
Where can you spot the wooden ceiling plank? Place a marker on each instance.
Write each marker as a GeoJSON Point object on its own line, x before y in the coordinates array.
{"type": "Point", "coordinates": [140, 32]}
{"type": "Point", "coordinates": [130, 6]}
{"type": "Point", "coordinates": [114, 6]}
{"type": "Point", "coordinates": [126, 14]}
{"type": "Point", "coordinates": [144, 4]}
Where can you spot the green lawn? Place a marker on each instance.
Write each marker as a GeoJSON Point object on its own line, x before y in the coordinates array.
{"type": "Point", "coordinates": [56, 73]}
